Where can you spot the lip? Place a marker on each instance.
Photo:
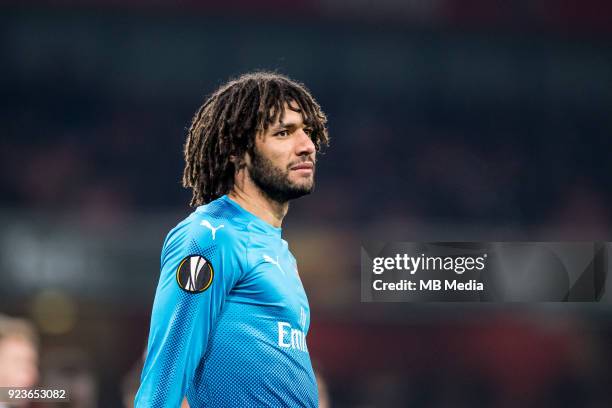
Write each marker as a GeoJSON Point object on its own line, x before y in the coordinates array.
{"type": "Point", "coordinates": [303, 166]}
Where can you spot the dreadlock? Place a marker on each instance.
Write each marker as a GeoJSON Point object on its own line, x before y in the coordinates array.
{"type": "Point", "coordinates": [226, 125]}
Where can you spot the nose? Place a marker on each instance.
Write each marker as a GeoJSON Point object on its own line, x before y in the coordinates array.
{"type": "Point", "coordinates": [305, 145]}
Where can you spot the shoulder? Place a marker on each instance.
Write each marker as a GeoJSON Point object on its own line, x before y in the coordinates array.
{"type": "Point", "coordinates": [201, 236]}
{"type": "Point", "coordinates": [213, 226]}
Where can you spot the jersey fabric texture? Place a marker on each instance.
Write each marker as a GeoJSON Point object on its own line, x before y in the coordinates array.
{"type": "Point", "coordinates": [241, 340]}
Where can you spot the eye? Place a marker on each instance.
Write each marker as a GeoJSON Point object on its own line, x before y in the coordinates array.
{"type": "Point", "coordinates": [308, 131]}
{"type": "Point", "coordinates": [282, 133]}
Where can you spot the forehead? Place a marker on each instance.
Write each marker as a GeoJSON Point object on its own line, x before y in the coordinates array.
{"type": "Point", "coordinates": [15, 342]}
{"type": "Point", "coordinates": [291, 114]}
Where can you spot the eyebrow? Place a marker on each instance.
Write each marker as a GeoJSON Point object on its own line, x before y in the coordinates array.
{"type": "Point", "coordinates": [288, 125]}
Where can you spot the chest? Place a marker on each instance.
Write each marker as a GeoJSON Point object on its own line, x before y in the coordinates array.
{"type": "Point", "coordinates": [273, 281]}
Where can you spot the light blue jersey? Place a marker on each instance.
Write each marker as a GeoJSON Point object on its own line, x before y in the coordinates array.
{"type": "Point", "coordinates": [230, 317]}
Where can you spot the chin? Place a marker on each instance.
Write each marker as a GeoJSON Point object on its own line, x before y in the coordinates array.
{"type": "Point", "coordinates": [306, 187]}
{"type": "Point", "coordinates": [300, 189]}
{"type": "Point", "coordinates": [305, 182]}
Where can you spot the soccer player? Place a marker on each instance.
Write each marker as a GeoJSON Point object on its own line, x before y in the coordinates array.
{"type": "Point", "coordinates": [230, 316]}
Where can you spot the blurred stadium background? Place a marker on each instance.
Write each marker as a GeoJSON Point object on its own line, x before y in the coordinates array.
{"type": "Point", "coordinates": [450, 120]}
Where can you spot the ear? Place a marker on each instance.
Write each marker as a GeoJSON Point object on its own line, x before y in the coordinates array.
{"type": "Point", "coordinates": [239, 162]}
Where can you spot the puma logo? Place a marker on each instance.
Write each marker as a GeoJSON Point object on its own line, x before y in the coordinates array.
{"type": "Point", "coordinates": [272, 261]}
{"type": "Point", "coordinates": [207, 224]}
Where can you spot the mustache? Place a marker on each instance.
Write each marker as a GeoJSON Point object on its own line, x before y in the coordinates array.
{"type": "Point", "coordinates": [311, 160]}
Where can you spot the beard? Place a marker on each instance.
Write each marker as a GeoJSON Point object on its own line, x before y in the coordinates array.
{"type": "Point", "coordinates": [274, 182]}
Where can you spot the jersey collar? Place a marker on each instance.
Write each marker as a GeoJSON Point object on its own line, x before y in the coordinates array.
{"type": "Point", "coordinates": [253, 219]}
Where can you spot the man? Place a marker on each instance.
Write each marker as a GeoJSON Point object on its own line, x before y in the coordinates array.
{"type": "Point", "coordinates": [18, 355]}
{"type": "Point", "coordinates": [230, 316]}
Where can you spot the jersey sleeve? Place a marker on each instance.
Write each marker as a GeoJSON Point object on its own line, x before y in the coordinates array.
{"type": "Point", "coordinates": [197, 273]}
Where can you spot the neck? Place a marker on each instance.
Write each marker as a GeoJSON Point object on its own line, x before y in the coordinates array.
{"type": "Point", "coordinates": [252, 199]}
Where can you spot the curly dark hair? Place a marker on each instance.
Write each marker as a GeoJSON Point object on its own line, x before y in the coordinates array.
{"type": "Point", "coordinates": [228, 121]}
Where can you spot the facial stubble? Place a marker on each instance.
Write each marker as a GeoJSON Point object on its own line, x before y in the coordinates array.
{"type": "Point", "coordinates": [274, 182]}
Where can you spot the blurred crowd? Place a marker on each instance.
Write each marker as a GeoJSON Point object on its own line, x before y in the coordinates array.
{"type": "Point", "coordinates": [462, 127]}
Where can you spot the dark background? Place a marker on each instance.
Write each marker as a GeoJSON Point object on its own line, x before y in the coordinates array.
{"type": "Point", "coordinates": [450, 120]}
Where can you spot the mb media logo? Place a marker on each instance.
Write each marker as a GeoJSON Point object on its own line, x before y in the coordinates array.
{"type": "Point", "coordinates": [194, 274]}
